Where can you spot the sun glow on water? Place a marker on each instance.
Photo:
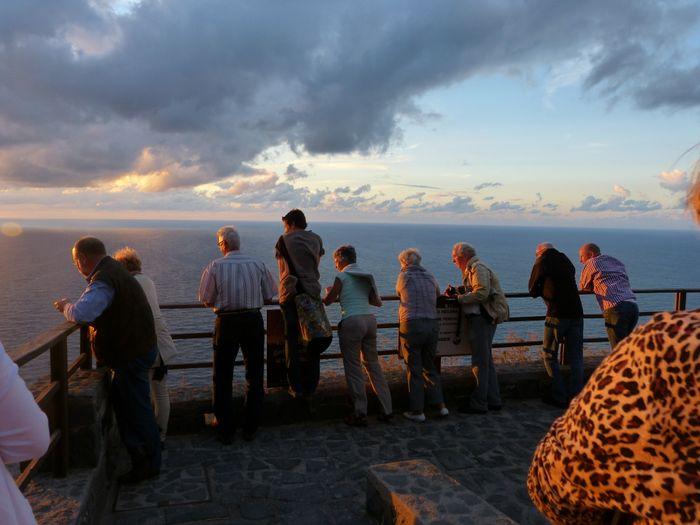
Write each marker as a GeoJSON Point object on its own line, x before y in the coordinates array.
{"type": "Point", "coordinates": [11, 229]}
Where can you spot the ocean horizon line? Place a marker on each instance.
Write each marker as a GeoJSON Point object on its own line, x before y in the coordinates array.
{"type": "Point", "coordinates": [175, 224]}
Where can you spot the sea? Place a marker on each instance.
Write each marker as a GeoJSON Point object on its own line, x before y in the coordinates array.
{"type": "Point", "coordinates": [37, 269]}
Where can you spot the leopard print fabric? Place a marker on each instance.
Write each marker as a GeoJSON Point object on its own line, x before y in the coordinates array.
{"type": "Point", "coordinates": [630, 441]}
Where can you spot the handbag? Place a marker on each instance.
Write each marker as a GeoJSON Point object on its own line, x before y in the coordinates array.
{"type": "Point", "coordinates": [313, 321]}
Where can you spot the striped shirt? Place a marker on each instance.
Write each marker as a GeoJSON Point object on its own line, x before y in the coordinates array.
{"type": "Point", "coordinates": [607, 278]}
{"type": "Point", "coordinates": [236, 282]}
{"type": "Point", "coordinates": [418, 291]}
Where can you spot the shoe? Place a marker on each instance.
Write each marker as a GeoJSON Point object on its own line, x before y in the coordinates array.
{"type": "Point", "coordinates": [355, 420]}
{"type": "Point", "coordinates": [495, 408]}
{"type": "Point", "coordinates": [225, 438]}
{"type": "Point", "coordinates": [418, 418]}
{"type": "Point", "coordinates": [549, 400]}
{"type": "Point", "coordinates": [249, 435]}
{"type": "Point", "coordinates": [468, 409]}
{"type": "Point", "coordinates": [138, 474]}
{"type": "Point", "coordinates": [444, 412]}
{"type": "Point", "coordinates": [385, 418]}
{"type": "Point", "coordinates": [310, 404]}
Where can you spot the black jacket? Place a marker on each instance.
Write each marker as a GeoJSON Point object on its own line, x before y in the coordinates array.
{"type": "Point", "coordinates": [125, 330]}
{"type": "Point", "coordinates": [553, 278]}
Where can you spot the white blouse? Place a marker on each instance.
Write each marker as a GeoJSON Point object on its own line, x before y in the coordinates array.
{"type": "Point", "coordinates": [24, 435]}
{"type": "Point", "coordinates": [166, 345]}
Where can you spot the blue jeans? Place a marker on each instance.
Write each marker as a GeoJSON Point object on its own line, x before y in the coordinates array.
{"type": "Point", "coordinates": [487, 392]}
{"type": "Point", "coordinates": [131, 399]}
{"type": "Point", "coordinates": [620, 320]}
{"type": "Point", "coordinates": [570, 333]}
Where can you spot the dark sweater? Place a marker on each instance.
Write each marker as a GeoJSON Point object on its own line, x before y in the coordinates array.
{"type": "Point", "coordinates": [125, 330]}
{"type": "Point", "coordinates": [553, 278]}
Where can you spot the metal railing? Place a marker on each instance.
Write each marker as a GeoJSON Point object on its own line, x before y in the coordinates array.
{"type": "Point", "coordinates": [53, 398]}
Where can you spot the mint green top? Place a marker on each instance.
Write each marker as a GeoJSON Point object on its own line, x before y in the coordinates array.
{"type": "Point", "coordinates": [354, 296]}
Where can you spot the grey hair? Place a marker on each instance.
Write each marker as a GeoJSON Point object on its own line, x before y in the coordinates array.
{"type": "Point", "coordinates": [463, 248]}
{"type": "Point", "coordinates": [543, 246]}
{"type": "Point", "coordinates": [410, 257]}
{"type": "Point", "coordinates": [230, 235]}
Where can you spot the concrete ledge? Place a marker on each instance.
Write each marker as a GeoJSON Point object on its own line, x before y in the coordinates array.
{"type": "Point", "coordinates": [416, 492]}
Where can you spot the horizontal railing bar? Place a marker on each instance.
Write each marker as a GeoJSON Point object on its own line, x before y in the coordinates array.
{"type": "Point", "coordinates": [44, 397]}
{"type": "Point", "coordinates": [75, 365]}
{"type": "Point", "coordinates": [35, 464]}
{"type": "Point", "coordinates": [41, 343]}
{"type": "Point", "coordinates": [510, 295]}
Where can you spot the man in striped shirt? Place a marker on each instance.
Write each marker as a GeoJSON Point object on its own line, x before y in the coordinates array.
{"type": "Point", "coordinates": [237, 286]}
{"type": "Point", "coordinates": [607, 278]}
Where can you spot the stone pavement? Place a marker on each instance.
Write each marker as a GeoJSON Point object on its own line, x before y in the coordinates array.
{"type": "Point", "coordinates": [315, 473]}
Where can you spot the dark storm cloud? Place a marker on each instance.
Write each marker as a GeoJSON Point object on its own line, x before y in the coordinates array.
{"type": "Point", "coordinates": [207, 86]}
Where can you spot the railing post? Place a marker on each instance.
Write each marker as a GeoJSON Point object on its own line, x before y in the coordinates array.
{"type": "Point", "coordinates": [85, 348]}
{"type": "Point", "coordinates": [59, 373]}
{"type": "Point", "coordinates": [681, 296]}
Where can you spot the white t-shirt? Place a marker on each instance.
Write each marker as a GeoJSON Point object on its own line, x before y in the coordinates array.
{"type": "Point", "coordinates": [24, 435]}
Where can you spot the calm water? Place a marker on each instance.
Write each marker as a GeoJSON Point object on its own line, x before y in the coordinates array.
{"type": "Point", "coordinates": [37, 268]}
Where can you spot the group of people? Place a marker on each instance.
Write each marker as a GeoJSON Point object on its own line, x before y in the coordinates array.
{"type": "Point", "coordinates": [130, 336]}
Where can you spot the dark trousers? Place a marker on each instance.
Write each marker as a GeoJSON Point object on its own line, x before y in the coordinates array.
{"type": "Point", "coordinates": [570, 332]}
{"type": "Point", "coordinates": [620, 320]}
{"type": "Point", "coordinates": [418, 340]}
{"type": "Point", "coordinates": [303, 362]}
{"type": "Point", "coordinates": [231, 332]}
{"type": "Point", "coordinates": [131, 399]}
{"type": "Point", "coordinates": [487, 391]}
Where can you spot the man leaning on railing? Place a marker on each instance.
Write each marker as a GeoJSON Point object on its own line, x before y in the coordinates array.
{"type": "Point", "coordinates": [124, 339]}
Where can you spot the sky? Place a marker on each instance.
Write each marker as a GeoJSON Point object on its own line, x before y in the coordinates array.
{"type": "Point", "coordinates": [513, 112]}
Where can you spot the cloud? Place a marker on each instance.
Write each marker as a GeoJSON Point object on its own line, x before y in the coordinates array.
{"type": "Point", "coordinates": [86, 89]}
{"type": "Point", "coordinates": [423, 186]}
{"type": "Point", "coordinates": [624, 192]}
{"type": "Point", "coordinates": [484, 185]}
{"type": "Point", "coordinates": [362, 189]}
{"type": "Point", "coordinates": [616, 203]}
{"type": "Point", "coordinates": [505, 206]}
{"type": "Point", "coordinates": [675, 181]}
{"type": "Point", "coordinates": [457, 205]}
{"type": "Point", "coordinates": [253, 184]}
{"type": "Point", "coordinates": [294, 173]}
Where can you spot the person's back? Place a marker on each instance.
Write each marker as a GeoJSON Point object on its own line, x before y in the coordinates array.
{"type": "Point", "coordinates": [418, 291]}
{"type": "Point", "coordinates": [305, 249]}
{"type": "Point", "coordinates": [354, 295]}
{"type": "Point", "coordinates": [607, 278]}
{"type": "Point", "coordinates": [554, 279]}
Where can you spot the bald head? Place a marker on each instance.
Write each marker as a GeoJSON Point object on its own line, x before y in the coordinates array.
{"type": "Point", "coordinates": [588, 251]}
{"type": "Point", "coordinates": [543, 247]}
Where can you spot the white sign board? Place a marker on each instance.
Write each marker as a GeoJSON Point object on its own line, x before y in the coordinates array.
{"type": "Point", "coordinates": [452, 336]}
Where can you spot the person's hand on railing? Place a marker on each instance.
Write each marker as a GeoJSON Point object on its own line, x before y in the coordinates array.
{"type": "Point", "coordinates": [60, 304]}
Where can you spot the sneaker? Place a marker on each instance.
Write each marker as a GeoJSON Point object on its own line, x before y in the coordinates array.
{"type": "Point", "coordinates": [444, 412]}
{"type": "Point", "coordinates": [418, 418]}
{"type": "Point", "coordinates": [356, 420]}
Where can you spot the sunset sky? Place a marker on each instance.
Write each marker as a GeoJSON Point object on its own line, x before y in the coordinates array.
{"type": "Point", "coordinates": [537, 112]}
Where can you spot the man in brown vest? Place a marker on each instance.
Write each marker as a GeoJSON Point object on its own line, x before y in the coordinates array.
{"type": "Point", "coordinates": [123, 338]}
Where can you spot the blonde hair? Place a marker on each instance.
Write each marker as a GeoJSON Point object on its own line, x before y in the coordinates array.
{"type": "Point", "coordinates": [129, 258]}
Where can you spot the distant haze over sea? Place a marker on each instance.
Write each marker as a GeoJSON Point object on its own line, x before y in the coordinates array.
{"type": "Point", "coordinates": [37, 266]}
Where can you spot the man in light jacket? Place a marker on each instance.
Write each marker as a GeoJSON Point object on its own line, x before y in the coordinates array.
{"type": "Point", "coordinates": [484, 305]}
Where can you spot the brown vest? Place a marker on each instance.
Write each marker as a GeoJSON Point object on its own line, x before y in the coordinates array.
{"type": "Point", "coordinates": [125, 330]}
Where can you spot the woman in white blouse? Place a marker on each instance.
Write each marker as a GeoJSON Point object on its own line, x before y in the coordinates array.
{"type": "Point", "coordinates": [24, 435]}
{"type": "Point", "coordinates": [166, 347]}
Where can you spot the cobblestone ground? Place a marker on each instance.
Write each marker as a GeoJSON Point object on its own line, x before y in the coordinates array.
{"type": "Point", "coordinates": [314, 473]}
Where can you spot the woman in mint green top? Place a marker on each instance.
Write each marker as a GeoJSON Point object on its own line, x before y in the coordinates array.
{"type": "Point", "coordinates": [357, 334]}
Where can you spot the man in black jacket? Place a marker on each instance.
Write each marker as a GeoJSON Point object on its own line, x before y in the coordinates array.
{"type": "Point", "coordinates": [553, 278]}
{"type": "Point", "coordinates": [123, 338]}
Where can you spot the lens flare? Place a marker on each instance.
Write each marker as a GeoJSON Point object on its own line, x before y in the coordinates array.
{"type": "Point", "coordinates": [11, 229]}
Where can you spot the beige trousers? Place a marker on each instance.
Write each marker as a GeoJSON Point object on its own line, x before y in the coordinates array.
{"type": "Point", "coordinates": [358, 344]}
